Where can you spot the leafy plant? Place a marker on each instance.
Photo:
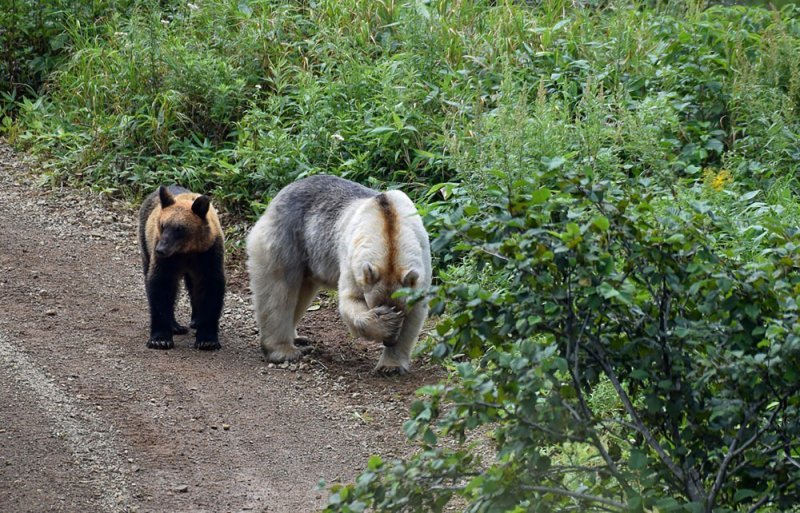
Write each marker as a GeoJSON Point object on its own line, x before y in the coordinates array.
{"type": "Point", "coordinates": [603, 294]}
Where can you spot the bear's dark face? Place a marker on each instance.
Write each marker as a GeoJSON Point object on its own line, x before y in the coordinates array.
{"type": "Point", "coordinates": [182, 225]}
{"type": "Point", "coordinates": [381, 295]}
{"type": "Point", "coordinates": [172, 240]}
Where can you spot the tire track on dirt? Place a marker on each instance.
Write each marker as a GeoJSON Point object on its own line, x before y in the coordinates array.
{"type": "Point", "coordinates": [90, 441]}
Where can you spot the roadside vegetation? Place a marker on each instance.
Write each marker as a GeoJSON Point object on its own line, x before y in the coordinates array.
{"type": "Point", "coordinates": [610, 188]}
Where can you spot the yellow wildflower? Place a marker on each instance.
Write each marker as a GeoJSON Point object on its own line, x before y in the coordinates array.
{"type": "Point", "coordinates": [717, 179]}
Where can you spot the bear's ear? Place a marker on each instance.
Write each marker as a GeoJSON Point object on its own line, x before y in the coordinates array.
{"type": "Point", "coordinates": [370, 274]}
{"type": "Point", "coordinates": [200, 206]}
{"type": "Point", "coordinates": [165, 197]}
{"type": "Point", "coordinates": [410, 278]}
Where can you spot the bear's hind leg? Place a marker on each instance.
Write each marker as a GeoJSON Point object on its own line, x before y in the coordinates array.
{"type": "Point", "coordinates": [308, 291]}
{"type": "Point", "coordinates": [193, 301]}
{"type": "Point", "coordinates": [275, 298]}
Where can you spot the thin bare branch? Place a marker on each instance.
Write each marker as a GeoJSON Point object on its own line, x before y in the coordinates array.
{"type": "Point", "coordinates": [723, 468]}
{"type": "Point", "coordinates": [596, 441]}
{"type": "Point", "coordinates": [750, 441]}
{"type": "Point", "coordinates": [577, 495]}
{"type": "Point", "coordinates": [494, 254]}
{"type": "Point", "coordinates": [763, 500]}
{"type": "Point", "coordinates": [695, 494]}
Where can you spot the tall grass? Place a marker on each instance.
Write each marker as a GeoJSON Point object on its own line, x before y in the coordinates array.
{"type": "Point", "coordinates": [243, 98]}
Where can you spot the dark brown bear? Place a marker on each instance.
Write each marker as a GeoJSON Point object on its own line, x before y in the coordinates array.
{"type": "Point", "coordinates": [181, 238]}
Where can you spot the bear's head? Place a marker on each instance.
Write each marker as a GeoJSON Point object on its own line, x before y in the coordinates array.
{"type": "Point", "coordinates": [378, 291]}
{"type": "Point", "coordinates": [379, 288]}
{"type": "Point", "coordinates": [183, 224]}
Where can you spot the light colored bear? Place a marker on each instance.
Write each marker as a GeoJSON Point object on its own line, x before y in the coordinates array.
{"type": "Point", "coordinates": [325, 231]}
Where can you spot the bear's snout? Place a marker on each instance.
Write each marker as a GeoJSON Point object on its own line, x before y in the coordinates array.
{"type": "Point", "coordinates": [164, 249]}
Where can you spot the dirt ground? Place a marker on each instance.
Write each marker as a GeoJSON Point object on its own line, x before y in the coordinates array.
{"type": "Point", "coordinates": [92, 420]}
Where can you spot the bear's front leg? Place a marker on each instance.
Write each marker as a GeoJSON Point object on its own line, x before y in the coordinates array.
{"type": "Point", "coordinates": [396, 358]}
{"type": "Point", "coordinates": [162, 289]}
{"type": "Point", "coordinates": [207, 295]}
{"type": "Point", "coordinates": [381, 324]}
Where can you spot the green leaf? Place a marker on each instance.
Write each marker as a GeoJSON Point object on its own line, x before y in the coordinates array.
{"type": "Point", "coordinates": [607, 291]}
{"type": "Point", "coordinates": [379, 130]}
{"type": "Point", "coordinates": [676, 237]}
{"type": "Point", "coordinates": [601, 223]}
{"type": "Point", "coordinates": [561, 24]}
{"type": "Point", "coordinates": [637, 459]}
{"type": "Point", "coordinates": [554, 163]}
{"type": "Point", "coordinates": [715, 145]}
{"type": "Point", "coordinates": [744, 493]}
{"type": "Point", "coordinates": [374, 462]}
{"type": "Point", "coordinates": [540, 195]}
{"type": "Point", "coordinates": [429, 437]}
{"type": "Point", "coordinates": [744, 198]}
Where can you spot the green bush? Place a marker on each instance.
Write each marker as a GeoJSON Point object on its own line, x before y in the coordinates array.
{"type": "Point", "coordinates": [620, 359]}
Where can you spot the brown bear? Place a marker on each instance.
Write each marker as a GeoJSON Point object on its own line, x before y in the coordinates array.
{"type": "Point", "coordinates": [181, 238]}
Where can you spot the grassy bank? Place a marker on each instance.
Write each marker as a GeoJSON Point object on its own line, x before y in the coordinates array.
{"type": "Point", "coordinates": [242, 99]}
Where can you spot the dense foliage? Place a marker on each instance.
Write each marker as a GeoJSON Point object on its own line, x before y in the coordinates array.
{"type": "Point", "coordinates": [611, 188]}
{"type": "Point", "coordinates": [627, 360]}
{"type": "Point", "coordinates": [35, 35]}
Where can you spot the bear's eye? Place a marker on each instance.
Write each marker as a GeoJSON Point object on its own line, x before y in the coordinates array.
{"type": "Point", "coordinates": [177, 231]}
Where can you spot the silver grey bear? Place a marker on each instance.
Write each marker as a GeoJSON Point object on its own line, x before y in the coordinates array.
{"type": "Point", "coordinates": [325, 231]}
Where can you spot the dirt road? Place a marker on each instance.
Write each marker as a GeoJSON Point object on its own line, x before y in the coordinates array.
{"type": "Point", "coordinates": [92, 420]}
